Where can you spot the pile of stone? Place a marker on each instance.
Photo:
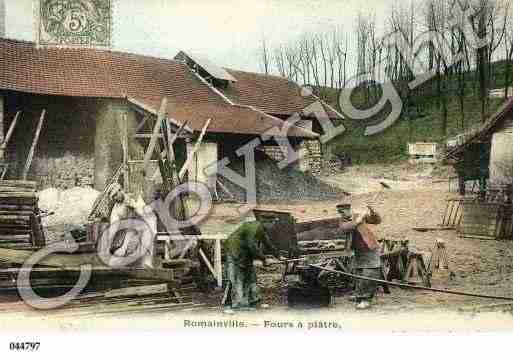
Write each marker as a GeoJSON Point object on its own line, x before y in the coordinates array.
{"type": "Point", "coordinates": [275, 184]}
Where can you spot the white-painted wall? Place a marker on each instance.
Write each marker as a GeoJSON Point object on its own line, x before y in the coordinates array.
{"type": "Point", "coordinates": [501, 157]}
{"type": "Point", "coordinates": [204, 157]}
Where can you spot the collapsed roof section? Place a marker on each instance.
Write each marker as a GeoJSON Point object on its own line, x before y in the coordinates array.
{"type": "Point", "coordinates": [201, 63]}
{"type": "Point", "coordinates": [234, 119]}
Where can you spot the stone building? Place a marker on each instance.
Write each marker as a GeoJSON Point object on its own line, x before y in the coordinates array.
{"type": "Point", "coordinates": [87, 94]}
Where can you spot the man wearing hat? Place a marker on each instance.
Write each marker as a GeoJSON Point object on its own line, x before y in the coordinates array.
{"type": "Point", "coordinates": [367, 261]}
{"type": "Point", "coordinates": [242, 247]}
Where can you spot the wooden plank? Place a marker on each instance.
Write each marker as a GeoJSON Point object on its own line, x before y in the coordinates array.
{"type": "Point", "coordinates": [141, 124]}
{"type": "Point", "coordinates": [19, 183]}
{"type": "Point", "coordinates": [138, 291]}
{"type": "Point", "coordinates": [5, 141]}
{"type": "Point", "coordinates": [15, 238]}
{"type": "Point", "coordinates": [11, 231]}
{"type": "Point", "coordinates": [431, 229]}
{"type": "Point", "coordinates": [172, 140]}
{"type": "Point", "coordinates": [226, 190]}
{"type": "Point", "coordinates": [2, 102]}
{"type": "Point", "coordinates": [166, 275]}
{"type": "Point", "coordinates": [19, 195]}
{"type": "Point", "coordinates": [16, 217]}
{"type": "Point", "coordinates": [177, 263]}
{"type": "Point", "coordinates": [147, 136]}
{"type": "Point", "coordinates": [197, 145]}
{"type": "Point", "coordinates": [32, 151]}
{"type": "Point", "coordinates": [123, 130]}
{"type": "Point", "coordinates": [100, 200]}
{"type": "Point", "coordinates": [207, 263]}
{"type": "Point", "coordinates": [16, 189]}
{"type": "Point", "coordinates": [321, 234]}
{"type": "Point", "coordinates": [474, 236]}
{"type": "Point", "coordinates": [38, 235]}
{"type": "Point", "coordinates": [164, 237]}
{"type": "Point", "coordinates": [16, 213]}
{"type": "Point", "coordinates": [156, 131]}
{"type": "Point", "coordinates": [218, 263]}
{"type": "Point", "coordinates": [319, 223]}
{"type": "Point", "coordinates": [53, 260]}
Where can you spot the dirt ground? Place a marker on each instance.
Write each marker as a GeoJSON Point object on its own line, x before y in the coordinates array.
{"type": "Point", "coordinates": [416, 198]}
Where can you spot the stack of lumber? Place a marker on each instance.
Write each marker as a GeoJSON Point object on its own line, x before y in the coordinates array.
{"type": "Point", "coordinates": [20, 225]}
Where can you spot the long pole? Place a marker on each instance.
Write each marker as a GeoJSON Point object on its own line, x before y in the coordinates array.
{"type": "Point", "coordinates": [9, 134]}
{"type": "Point", "coordinates": [402, 285]}
{"type": "Point", "coordinates": [34, 145]}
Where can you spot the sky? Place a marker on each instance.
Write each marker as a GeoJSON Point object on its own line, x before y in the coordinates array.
{"type": "Point", "coordinates": [228, 32]}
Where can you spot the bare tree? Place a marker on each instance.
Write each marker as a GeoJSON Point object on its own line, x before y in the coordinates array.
{"type": "Point", "coordinates": [486, 25]}
{"type": "Point", "coordinates": [264, 57]}
{"type": "Point", "coordinates": [508, 50]}
{"type": "Point", "coordinates": [460, 54]}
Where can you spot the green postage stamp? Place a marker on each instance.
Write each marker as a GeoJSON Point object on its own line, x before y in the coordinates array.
{"type": "Point", "coordinates": [74, 23]}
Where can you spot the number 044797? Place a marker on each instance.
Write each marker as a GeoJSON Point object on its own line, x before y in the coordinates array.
{"type": "Point", "coordinates": [24, 346]}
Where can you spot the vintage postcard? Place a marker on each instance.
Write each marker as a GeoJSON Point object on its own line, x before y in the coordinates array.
{"type": "Point", "coordinates": [328, 167]}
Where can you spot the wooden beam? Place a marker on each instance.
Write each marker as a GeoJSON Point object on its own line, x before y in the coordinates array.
{"type": "Point", "coordinates": [5, 140]}
{"type": "Point", "coordinates": [168, 148]}
{"type": "Point", "coordinates": [218, 264]}
{"type": "Point", "coordinates": [207, 263]}
{"type": "Point", "coordinates": [142, 123]}
{"type": "Point", "coordinates": [34, 145]}
{"type": "Point", "coordinates": [124, 134]}
{"type": "Point", "coordinates": [161, 237]}
{"type": "Point", "coordinates": [1, 114]}
{"type": "Point", "coordinates": [177, 133]}
{"type": "Point", "coordinates": [156, 132]}
{"type": "Point", "coordinates": [190, 158]}
{"type": "Point", "coordinates": [147, 135]}
{"type": "Point", "coordinates": [138, 291]}
{"type": "Point", "coordinates": [171, 141]}
{"type": "Point", "coordinates": [225, 189]}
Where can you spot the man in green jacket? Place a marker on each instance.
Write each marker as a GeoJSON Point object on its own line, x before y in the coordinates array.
{"type": "Point", "coordinates": [243, 247]}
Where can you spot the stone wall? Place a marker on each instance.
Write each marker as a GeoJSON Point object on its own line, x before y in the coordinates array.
{"type": "Point", "coordinates": [108, 151]}
{"type": "Point", "coordinates": [80, 141]}
{"type": "Point", "coordinates": [64, 155]}
{"type": "Point", "coordinates": [311, 159]}
{"type": "Point", "coordinates": [70, 170]}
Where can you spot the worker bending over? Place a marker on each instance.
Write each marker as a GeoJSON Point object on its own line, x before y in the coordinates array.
{"type": "Point", "coordinates": [367, 260]}
{"type": "Point", "coordinates": [243, 247]}
{"type": "Point", "coordinates": [135, 242]}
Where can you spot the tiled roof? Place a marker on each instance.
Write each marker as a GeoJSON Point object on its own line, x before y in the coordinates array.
{"type": "Point", "coordinates": [95, 73]}
{"type": "Point", "coordinates": [24, 67]}
{"type": "Point", "coordinates": [225, 118]}
{"type": "Point", "coordinates": [487, 128]}
{"type": "Point", "coordinates": [272, 94]}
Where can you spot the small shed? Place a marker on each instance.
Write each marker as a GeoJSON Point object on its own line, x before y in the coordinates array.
{"type": "Point", "coordinates": [486, 154]}
{"type": "Point", "coordinates": [423, 152]}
